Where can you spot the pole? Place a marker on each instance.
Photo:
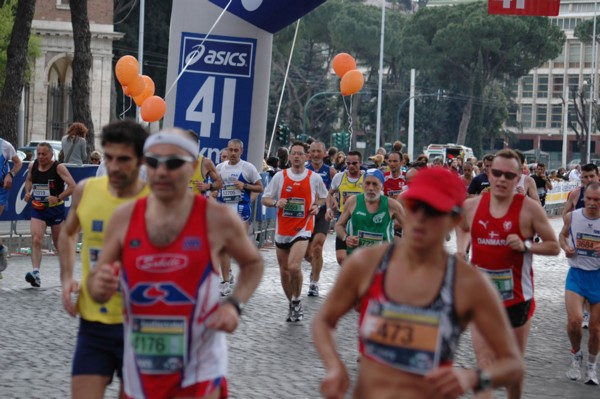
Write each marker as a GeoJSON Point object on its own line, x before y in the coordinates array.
{"type": "Point", "coordinates": [565, 140]}
{"type": "Point", "coordinates": [411, 116]}
{"type": "Point", "coordinates": [380, 88]}
{"type": "Point", "coordinates": [308, 102]}
{"type": "Point", "coordinates": [592, 85]}
{"type": "Point", "coordinates": [141, 47]}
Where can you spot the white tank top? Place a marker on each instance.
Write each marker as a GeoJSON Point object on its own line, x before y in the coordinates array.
{"type": "Point", "coordinates": [584, 234]}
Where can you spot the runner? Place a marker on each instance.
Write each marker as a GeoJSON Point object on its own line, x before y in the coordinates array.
{"type": "Point", "coordinates": [542, 183]}
{"type": "Point", "coordinates": [394, 179]}
{"type": "Point", "coordinates": [344, 185]}
{"type": "Point", "coordinates": [579, 239]}
{"type": "Point", "coordinates": [240, 181]}
{"type": "Point", "coordinates": [481, 181]}
{"type": "Point", "coordinates": [298, 193]}
{"type": "Point", "coordinates": [502, 225]}
{"type": "Point", "coordinates": [7, 153]}
{"type": "Point", "coordinates": [161, 250]}
{"type": "Point", "coordinates": [45, 188]}
{"type": "Point", "coordinates": [317, 240]}
{"type": "Point", "coordinates": [388, 316]}
{"type": "Point", "coordinates": [206, 170]}
{"type": "Point", "coordinates": [368, 218]}
{"type": "Point", "coordinates": [99, 349]}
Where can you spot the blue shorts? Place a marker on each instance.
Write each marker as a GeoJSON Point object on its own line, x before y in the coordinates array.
{"type": "Point", "coordinates": [52, 215]}
{"type": "Point", "coordinates": [585, 283]}
{"type": "Point", "coordinates": [99, 349]}
{"type": "Point", "coordinates": [244, 211]}
{"type": "Point", "coordinates": [3, 198]}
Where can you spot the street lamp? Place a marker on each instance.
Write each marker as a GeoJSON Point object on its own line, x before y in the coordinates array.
{"type": "Point", "coordinates": [593, 85]}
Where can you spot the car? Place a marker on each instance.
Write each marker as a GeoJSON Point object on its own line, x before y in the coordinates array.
{"type": "Point", "coordinates": [32, 146]}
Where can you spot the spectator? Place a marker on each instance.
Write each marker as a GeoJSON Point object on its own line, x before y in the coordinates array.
{"type": "Point", "coordinates": [330, 158]}
{"type": "Point", "coordinates": [95, 158]}
{"type": "Point", "coordinates": [377, 161]}
{"type": "Point", "coordinates": [28, 155]}
{"type": "Point", "coordinates": [561, 173]}
{"type": "Point", "coordinates": [74, 145]}
{"type": "Point", "coordinates": [283, 156]}
{"type": "Point", "coordinates": [340, 161]}
{"type": "Point", "coordinates": [397, 146]}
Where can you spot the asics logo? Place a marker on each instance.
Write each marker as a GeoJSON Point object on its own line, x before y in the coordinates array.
{"type": "Point", "coordinates": [213, 57]}
{"type": "Point", "coordinates": [217, 55]}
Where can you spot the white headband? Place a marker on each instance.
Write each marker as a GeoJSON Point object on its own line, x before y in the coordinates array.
{"type": "Point", "coordinates": [166, 137]}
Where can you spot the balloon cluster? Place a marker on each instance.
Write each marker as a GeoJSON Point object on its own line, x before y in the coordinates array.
{"type": "Point", "coordinates": [353, 80]}
{"type": "Point", "coordinates": [140, 88]}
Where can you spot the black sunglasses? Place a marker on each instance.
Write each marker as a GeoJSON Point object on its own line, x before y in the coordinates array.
{"type": "Point", "coordinates": [508, 175]}
{"type": "Point", "coordinates": [353, 163]}
{"type": "Point", "coordinates": [171, 162]}
{"type": "Point", "coordinates": [414, 205]}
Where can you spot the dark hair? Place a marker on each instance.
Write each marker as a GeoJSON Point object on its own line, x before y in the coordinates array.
{"type": "Point", "coordinates": [521, 155]}
{"type": "Point", "coordinates": [126, 131]}
{"type": "Point", "coordinates": [77, 129]}
{"type": "Point", "coordinates": [357, 153]}
{"type": "Point", "coordinates": [298, 144]}
{"type": "Point", "coordinates": [490, 157]}
{"type": "Point", "coordinates": [588, 167]}
{"type": "Point", "coordinates": [332, 151]}
{"type": "Point", "coordinates": [418, 165]}
{"type": "Point", "coordinates": [397, 146]}
{"type": "Point", "coordinates": [541, 165]}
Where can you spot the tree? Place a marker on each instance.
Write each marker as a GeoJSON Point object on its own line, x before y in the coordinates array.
{"type": "Point", "coordinates": [464, 50]}
{"type": "Point", "coordinates": [82, 63]}
{"type": "Point", "coordinates": [15, 70]}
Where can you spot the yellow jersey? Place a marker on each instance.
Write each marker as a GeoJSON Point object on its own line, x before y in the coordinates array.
{"type": "Point", "coordinates": [197, 177]}
{"type": "Point", "coordinates": [348, 189]}
{"type": "Point", "coordinates": [94, 211]}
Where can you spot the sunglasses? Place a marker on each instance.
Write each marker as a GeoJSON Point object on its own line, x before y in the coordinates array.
{"type": "Point", "coordinates": [414, 205]}
{"type": "Point", "coordinates": [171, 162]}
{"type": "Point", "coordinates": [353, 163]}
{"type": "Point", "coordinates": [508, 175]}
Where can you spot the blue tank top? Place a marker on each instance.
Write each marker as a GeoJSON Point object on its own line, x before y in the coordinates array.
{"type": "Point", "coordinates": [324, 172]}
{"type": "Point", "coordinates": [580, 204]}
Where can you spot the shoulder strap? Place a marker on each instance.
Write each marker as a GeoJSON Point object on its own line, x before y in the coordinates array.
{"type": "Point", "coordinates": [383, 265]}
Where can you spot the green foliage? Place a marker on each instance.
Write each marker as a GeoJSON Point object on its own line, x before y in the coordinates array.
{"type": "Point", "coordinates": [7, 16]}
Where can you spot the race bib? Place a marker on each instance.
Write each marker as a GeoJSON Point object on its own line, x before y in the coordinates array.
{"type": "Point", "coordinates": [585, 243]}
{"type": "Point", "coordinates": [159, 344]}
{"type": "Point", "coordinates": [93, 255]}
{"type": "Point", "coordinates": [40, 192]}
{"type": "Point", "coordinates": [348, 194]}
{"type": "Point", "coordinates": [403, 337]}
{"type": "Point", "coordinates": [230, 193]}
{"type": "Point", "coordinates": [294, 208]}
{"type": "Point", "coordinates": [393, 193]}
{"type": "Point", "coordinates": [503, 280]}
{"type": "Point", "coordinates": [368, 238]}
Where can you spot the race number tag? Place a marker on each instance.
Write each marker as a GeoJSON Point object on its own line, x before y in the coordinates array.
{"type": "Point", "coordinates": [93, 254]}
{"type": "Point", "coordinates": [159, 344]}
{"type": "Point", "coordinates": [368, 239]}
{"type": "Point", "coordinates": [585, 243]}
{"type": "Point", "coordinates": [40, 192]}
{"type": "Point", "coordinates": [402, 336]}
{"type": "Point", "coordinates": [294, 208]}
{"type": "Point", "coordinates": [503, 280]}
{"type": "Point", "coordinates": [348, 194]}
{"type": "Point", "coordinates": [231, 193]}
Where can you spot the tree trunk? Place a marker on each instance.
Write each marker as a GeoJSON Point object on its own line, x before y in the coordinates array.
{"type": "Point", "coordinates": [464, 121]}
{"type": "Point", "coordinates": [82, 63]}
{"type": "Point", "coordinates": [15, 70]}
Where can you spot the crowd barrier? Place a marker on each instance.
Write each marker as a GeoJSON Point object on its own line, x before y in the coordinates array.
{"type": "Point", "coordinates": [556, 198]}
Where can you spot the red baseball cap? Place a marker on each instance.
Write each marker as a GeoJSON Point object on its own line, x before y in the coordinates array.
{"type": "Point", "coordinates": [438, 188]}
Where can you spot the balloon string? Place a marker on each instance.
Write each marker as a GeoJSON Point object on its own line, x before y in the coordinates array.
{"type": "Point", "coordinates": [349, 114]}
{"type": "Point", "coordinates": [195, 52]}
{"type": "Point", "coordinates": [128, 108]}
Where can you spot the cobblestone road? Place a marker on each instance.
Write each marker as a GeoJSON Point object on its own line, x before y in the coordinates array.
{"type": "Point", "coordinates": [269, 358]}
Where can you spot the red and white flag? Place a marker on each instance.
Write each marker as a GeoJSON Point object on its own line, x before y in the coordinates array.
{"type": "Point", "coordinates": [548, 8]}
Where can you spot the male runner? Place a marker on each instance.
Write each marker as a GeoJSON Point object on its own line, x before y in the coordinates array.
{"type": "Point", "coordinates": [205, 170]}
{"type": "Point", "coordinates": [394, 179]}
{"type": "Point", "coordinates": [298, 193]}
{"type": "Point", "coordinates": [542, 182]}
{"type": "Point", "coordinates": [45, 187]}
{"type": "Point", "coordinates": [344, 185]}
{"type": "Point", "coordinates": [99, 349]}
{"type": "Point", "coordinates": [579, 239]}
{"type": "Point", "coordinates": [481, 181]}
{"type": "Point", "coordinates": [240, 181]}
{"type": "Point", "coordinates": [7, 153]}
{"type": "Point", "coordinates": [317, 240]}
{"type": "Point", "coordinates": [163, 248]}
{"type": "Point", "coordinates": [368, 218]}
{"type": "Point", "coordinates": [502, 226]}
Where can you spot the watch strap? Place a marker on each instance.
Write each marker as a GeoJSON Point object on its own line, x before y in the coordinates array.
{"type": "Point", "coordinates": [236, 304]}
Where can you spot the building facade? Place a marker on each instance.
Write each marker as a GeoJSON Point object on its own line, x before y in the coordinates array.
{"type": "Point", "coordinates": [48, 110]}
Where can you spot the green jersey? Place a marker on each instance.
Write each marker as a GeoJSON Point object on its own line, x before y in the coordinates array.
{"type": "Point", "coordinates": [371, 228]}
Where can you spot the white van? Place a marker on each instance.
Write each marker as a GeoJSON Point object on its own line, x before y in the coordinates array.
{"type": "Point", "coordinates": [446, 151]}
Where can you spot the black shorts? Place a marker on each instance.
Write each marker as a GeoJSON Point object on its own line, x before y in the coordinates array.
{"type": "Point", "coordinates": [520, 313]}
{"type": "Point", "coordinates": [340, 245]}
{"type": "Point", "coordinates": [99, 349]}
{"type": "Point", "coordinates": [288, 245]}
{"type": "Point", "coordinates": [321, 225]}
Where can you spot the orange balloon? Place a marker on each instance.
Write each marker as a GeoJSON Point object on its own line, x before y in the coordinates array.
{"type": "Point", "coordinates": [352, 82]}
{"type": "Point", "coordinates": [136, 86]}
{"type": "Point", "coordinates": [148, 91]}
{"type": "Point", "coordinates": [127, 69]}
{"type": "Point", "coordinates": [153, 109]}
{"type": "Point", "coordinates": [126, 91]}
{"type": "Point", "coordinates": [343, 63]}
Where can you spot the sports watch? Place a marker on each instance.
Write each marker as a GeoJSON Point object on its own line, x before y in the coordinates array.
{"type": "Point", "coordinates": [239, 306]}
{"type": "Point", "coordinates": [484, 381]}
{"type": "Point", "coordinates": [527, 245]}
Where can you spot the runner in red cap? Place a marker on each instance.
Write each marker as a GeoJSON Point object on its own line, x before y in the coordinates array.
{"type": "Point", "coordinates": [415, 301]}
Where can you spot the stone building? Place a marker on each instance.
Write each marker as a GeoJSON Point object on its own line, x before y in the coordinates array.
{"type": "Point", "coordinates": [48, 109]}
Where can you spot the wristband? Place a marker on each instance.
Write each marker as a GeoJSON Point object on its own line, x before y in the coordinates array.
{"type": "Point", "coordinates": [236, 304]}
{"type": "Point", "coordinates": [11, 174]}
